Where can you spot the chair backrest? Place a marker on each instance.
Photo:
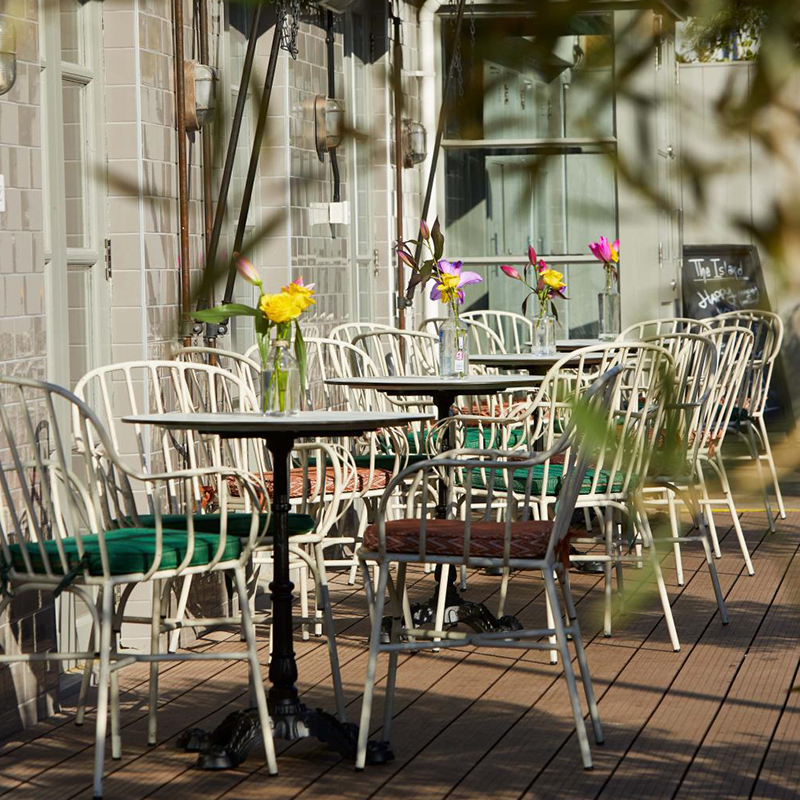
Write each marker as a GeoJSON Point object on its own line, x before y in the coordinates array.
{"type": "Point", "coordinates": [333, 358]}
{"type": "Point", "coordinates": [482, 339]}
{"type": "Point", "coordinates": [347, 331]}
{"type": "Point", "coordinates": [514, 331]}
{"type": "Point", "coordinates": [400, 352]}
{"type": "Point", "coordinates": [694, 377]}
{"type": "Point", "coordinates": [734, 346]}
{"type": "Point", "coordinates": [140, 387]}
{"type": "Point", "coordinates": [660, 327]}
{"type": "Point", "coordinates": [473, 476]}
{"type": "Point", "coordinates": [246, 367]}
{"type": "Point", "coordinates": [767, 330]}
{"type": "Point", "coordinates": [53, 492]}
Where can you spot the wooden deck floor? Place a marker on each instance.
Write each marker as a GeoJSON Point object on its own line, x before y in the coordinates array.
{"type": "Point", "coordinates": [716, 720]}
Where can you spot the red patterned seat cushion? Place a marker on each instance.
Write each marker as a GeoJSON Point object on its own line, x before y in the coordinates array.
{"type": "Point", "coordinates": [299, 478]}
{"type": "Point", "coordinates": [445, 537]}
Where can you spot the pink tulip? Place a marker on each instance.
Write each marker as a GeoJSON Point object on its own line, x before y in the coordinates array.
{"type": "Point", "coordinates": [511, 272]}
{"type": "Point", "coordinates": [531, 254]}
{"type": "Point", "coordinates": [615, 250]}
{"type": "Point", "coordinates": [246, 270]}
{"type": "Point", "coordinates": [601, 250]}
{"type": "Point", "coordinates": [424, 230]}
{"type": "Point", "coordinates": [299, 282]}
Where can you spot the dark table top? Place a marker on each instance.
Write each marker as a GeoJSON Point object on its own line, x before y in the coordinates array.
{"type": "Point", "coordinates": [435, 384]}
{"type": "Point", "coordinates": [538, 364]}
{"type": "Point", "coordinates": [301, 425]}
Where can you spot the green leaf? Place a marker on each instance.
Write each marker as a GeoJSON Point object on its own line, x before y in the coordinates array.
{"type": "Point", "coordinates": [438, 240]}
{"type": "Point", "coordinates": [221, 313]}
{"type": "Point", "coordinates": [300, 355]}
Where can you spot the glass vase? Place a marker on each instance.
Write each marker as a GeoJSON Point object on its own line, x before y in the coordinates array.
{"type": "Point", "coordinates": [453, 348]}
{"type": "Point", "coordinates": [609, 314]}
{"type": "Point", "coordinates": [544, 334]}
{"type": "Point", "coordinates": [280, 381]}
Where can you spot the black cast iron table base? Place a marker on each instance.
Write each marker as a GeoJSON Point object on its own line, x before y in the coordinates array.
{"type": "Point", "coordinates": [239, 734]}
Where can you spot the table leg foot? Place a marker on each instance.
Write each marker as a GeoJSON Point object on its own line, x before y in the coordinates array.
{"type": "Point", "coordinates": [239, 734]}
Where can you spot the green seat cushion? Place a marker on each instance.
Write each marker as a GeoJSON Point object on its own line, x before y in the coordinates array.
{"type": "Point", "coordinates": [386, 460]}
{"type": "Point", "coordinates": [238, 523]}
{"type": "Point", "coordinates": [555, 475]}
{"type": "Point", "coordinates": [474, 438]}
{"type": "Point", "coordinates": [130, 550]}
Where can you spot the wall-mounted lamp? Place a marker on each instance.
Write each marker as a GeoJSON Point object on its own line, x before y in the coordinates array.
{"type": "Point", "coordinates": [8, 55]}
{"type": "Point", "coordinates": [415, 145]}
{"type": "Point", "coordinates": [200, 94]}
{"type": "Point", "coordinates": [329, 122]}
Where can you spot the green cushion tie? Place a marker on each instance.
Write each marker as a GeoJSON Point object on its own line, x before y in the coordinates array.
{"type": "Point", "coordinates": [83, 564]}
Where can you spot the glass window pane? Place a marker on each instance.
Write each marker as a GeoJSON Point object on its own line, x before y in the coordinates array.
{"type": "Point", "coordinates": [578, 316]}
{"type": "Point", "coordinates": [75, 163]}
{"type": "Point", "coordinates": [514, 87]}
{"type": "Point", "coordinates": [500, 200]}
{"type": "Point", "coordinates": [79, 320]}
{"type": "Point", "coordinates": [72, 32]}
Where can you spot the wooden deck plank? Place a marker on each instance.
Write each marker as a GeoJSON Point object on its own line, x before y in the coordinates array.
{"type": "Point", "coordinates": [647, 677]}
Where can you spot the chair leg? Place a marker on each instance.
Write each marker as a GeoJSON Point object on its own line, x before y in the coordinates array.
{"type": "Point", "coordinates": [303, 576]}
{"type": "Point", "coordinates": [363, 521]}
{"type": "Point", "coordinates": [569, 672]}
{"type": "Point", "coordinates": [87, 673]}
{"type": "Point", "coordinates": [180, 611]}
{"type": "Point", "coordinates": [324, 606]}
{"type": "Point", "coordinates": [116, 738]}
{"type": "Point", "coordinates": [256, 681]}
{"type": "Point", "coordinates": [656, 565]}
{"type": "Point", "coordinates": [103, 681]}
{"type": "Point", "coordinates": [155, 635]}
{"type": "Point", "coordinates": [676, 532]}
{"type": "Point", "coordinates": [608, 528]}
{"type": "Point", "coordinates": [441, 600]}
{"type": "Point", "coordinates": [772, 468]}
{"type": "Point", "coordinates": [583, 664]}
{"type": "Point", "coordinates": [501, 605]}
{"type": "Point", "coordinates": [396, 593]}
{"type": "Point", "coordinates": [708, 512]}
{"type": "Point", "coordinates": [697, 512]}
{"type": "Point", "coordinates": [737, 525]}
{"type": "Point", "coordinates": [379, 598]}
{"type": "Point", "coordinates": [463, 570]}
{"type": "Point", "coordinates": [752, 445]}
{"type": "Point", "coordinates": [551, 624]}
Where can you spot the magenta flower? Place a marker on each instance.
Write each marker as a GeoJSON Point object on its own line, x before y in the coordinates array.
{"type": "Point", "coordinates": [451, 280]}
{"type": "Point", "coordinates": [406, 258]}
{"type": "Point", "coordinates": [424, 230]}
{"type": "Point", "coordinates": [604, 251]}
{"type": "Point", "coordinates": [531, 254]}
{"type": "Point", "coordinates": [511, 272]}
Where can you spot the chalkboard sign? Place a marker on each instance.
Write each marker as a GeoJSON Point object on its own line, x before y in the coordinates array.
{"type": "Point", "coordinates": [718, 278]}
{"type": "Point", "coordinates": [721, 278]}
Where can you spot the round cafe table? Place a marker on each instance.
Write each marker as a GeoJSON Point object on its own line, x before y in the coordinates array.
{"type": "Point", "coordinates": [568, 345]}
{"type": "Point", "coordinates": [532, 364]}
{"type": "Point", "coordinates": [442, 391]}
{"type": "Point", "coordinates": [227, 746]}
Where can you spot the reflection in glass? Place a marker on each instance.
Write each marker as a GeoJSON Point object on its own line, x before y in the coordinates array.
{"type": "Point", "coordinates": [75, 163]}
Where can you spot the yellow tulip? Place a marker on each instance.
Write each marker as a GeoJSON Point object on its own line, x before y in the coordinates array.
{"type": "Point", "coordinates": [303, 295]}
{"type": "Point", "coordinates": [448, 286]}
{"type": "Point", "coordinates": [280, 308]}
{"type": "Point", "coordinates": [553, 278]}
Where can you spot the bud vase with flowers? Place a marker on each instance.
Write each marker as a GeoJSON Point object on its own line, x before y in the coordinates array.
{"type": "Point", "coordinates": [607, 254]}
{"type": "Point", "coordinates": [548, 286]}
{"type": "Point", "coordinates": [449, 280]}
{"type": "Point", "coordinates": [276, 318]}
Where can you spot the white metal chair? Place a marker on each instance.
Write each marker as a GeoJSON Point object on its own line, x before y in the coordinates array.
{"type": "Point", "coordinates": [514, 331]}
{"type": "Point", "coordinates": [469, 537]}
{"type": "Point", "coordinates": [66, 536]}
{"type": "Point", "coordinates": [400, 352]}
{"type": "Point", "coordinates": [662, 327]}
{"type": "Point", "coordinates": [767, 329]}
{"type": "Point", "coordinates": [347, 331]}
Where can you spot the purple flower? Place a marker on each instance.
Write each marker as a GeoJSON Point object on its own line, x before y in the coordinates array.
{"type": "Point", "coordinates": [451, 280]}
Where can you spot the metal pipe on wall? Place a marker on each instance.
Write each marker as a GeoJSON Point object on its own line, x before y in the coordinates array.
{"type": "Point", "coordinates": [439, 131]}
{"type": "Point", "coordinates": [397, 83]}
{"type": "Point", "coordinates": [329, 41]}
{"type": "Point", "coordinates": [183, 174]}
{"type": "Point", "coordinates": [208, 167]}
{"type": "Point", "coordinates": [255, 153]}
